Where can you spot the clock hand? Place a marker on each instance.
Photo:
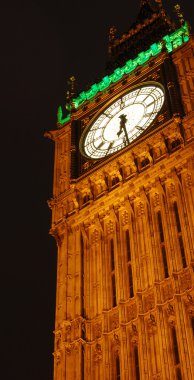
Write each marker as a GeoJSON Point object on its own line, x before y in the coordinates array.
{"type": "Point", "coordinates": [139, 128]}
{"type": "Point", "coordinates": [123, 127]}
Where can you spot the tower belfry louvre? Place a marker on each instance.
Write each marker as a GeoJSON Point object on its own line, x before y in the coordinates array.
{"type": "Point", "coordinates": [123, 210]}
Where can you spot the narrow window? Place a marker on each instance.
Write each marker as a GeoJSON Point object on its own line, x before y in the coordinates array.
{"type": "Point", "coordinates": [128, 248]}
{"type": "Point", "coordinates": [165, 264]}
{"type": "Point", "coordinates": [136, 360]}
{"type": "Point", "coordinates": [182, 251]}
{"type": "Point", "coordinates": [112, 255]}
{"type": "Point", "coordinates": [160, 227]}
{"type": "Point", "coordinates": [175, 346]}
{"type": "Point", "coordinates": [112, 263]}
{"type": "Point", "coordinates": [130, 273]}
{"type": "Point", "coordinates": [178, 374]}
{"type": "Point", "coordinates": [192, 324]}
{"type": "Point", "coordinates": [131, 293]}
{"type": "Point", "coordinates": [82, 362]}
{"type": "Point", "coordinates": [162, 244]}
{"type": "Point", "coordinates": [118, 374]}
{"type": "Point", "coordinates": [114, 296]}
{"type": "Point", "coordinates": [178, 224]}
{"type": "Point", "coordinates": [82, 276]}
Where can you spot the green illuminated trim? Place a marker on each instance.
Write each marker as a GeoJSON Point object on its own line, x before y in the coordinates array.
{"type": "Point", "coordinates": [171, 41]}
{"type": "Point", "coordinates": [60, 119]}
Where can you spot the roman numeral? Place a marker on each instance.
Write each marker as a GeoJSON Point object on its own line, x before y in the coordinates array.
{"type": "Point", "coordinates": [100, 145]}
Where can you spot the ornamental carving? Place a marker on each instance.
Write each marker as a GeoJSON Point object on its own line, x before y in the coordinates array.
{"type": "Point", "coordinates": [58, 340]}
{"type": "Point", "coordinates": [99, 185]}
{"type": "Point", "coordinates": [149, 302]}
{"type": "Point", "coordinates": [188, 180]}
{"type": "Point", "coordinates": [72, 205]}
{"type": "Point", "coordinates": [168, 292]}
{"type": "Point", "coordinates": [116, 341]}
{"type": "Point", "coordinates": [151, 324]}
{"type": "Point", "coordinates": [185, 281]}
{"type": "Point", "coordinates": [69, 347]}
{"type": "Point", "coordinates": [97, 330]}
{"type": "Point", "coordinates": [110, 227]}
{"type": "Point", "coordinates": [171, 189]}
{"type": "Point", "coordinates": [114, 321]}
{"type": "Point", "coordinates": [76, 328]}
{"type": "Point", "coordinates": [140, 208]}
{"type": "Point", "coordinates": [57, 356]}
{"type": "Point", "coordinates": [132, 312]}
{"type": "Point", "coordinates": [134, 333]}
{"type": "Point", "coordinates": [125, 218]}
{"type": "Point", "coordinates": [171, 314]}
{"type": "Point", "coordinates": [189, 302]}
{"type": "Point", "coordinates": [159, 150]}
{"type": "Point", "coordinates": [156, 200]}
{"type": "Point", "coordinates": [97, 353]}
{"type": "Point", "coordinates": [129, 168]}
{"type": "Point", "coordinates": [95, 236]}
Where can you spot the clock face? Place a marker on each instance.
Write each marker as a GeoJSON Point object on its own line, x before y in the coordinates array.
{"type": "Point", "coordinates": [123, 121]}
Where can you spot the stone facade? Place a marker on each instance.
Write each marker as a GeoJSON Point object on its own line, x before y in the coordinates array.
{"type": "Point", "coordinates": [125, 236]}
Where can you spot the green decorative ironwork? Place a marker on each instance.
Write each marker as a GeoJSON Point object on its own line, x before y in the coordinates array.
{"type": "Point", "coordinates": [171, 42]}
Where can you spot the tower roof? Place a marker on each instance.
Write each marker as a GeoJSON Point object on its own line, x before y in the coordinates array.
{"type": "Point", "coordinates": [151, 25]}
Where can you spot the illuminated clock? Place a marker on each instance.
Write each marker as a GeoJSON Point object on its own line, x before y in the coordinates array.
{"type": "Point", "coordinates": [122, 121]}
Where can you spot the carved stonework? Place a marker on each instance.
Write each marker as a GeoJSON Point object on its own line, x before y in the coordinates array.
{"type": "Point", "coordinates": [171, 190]}
{"type": "Point", "coordinates": [156, 199]}
{"type": "Point", "coordinates": [97, 353]}
{"type": "Point", "coordinates": [110, 227]}
{"type": "Point", "coordinates": [95, 236]}
{"type": "Point", "coordinates": [168, 292]}
{"type": "Point", "coordinates": [97, 330]}
{"type": "Point", "coordinates": [159, 150]}
{"type": "Point", "coordinates": [58, 340]}
{"type": "Point", "coordinates": [132, 312]}
{"type": "Point", "coordinates": [149, 301]}
{"type": "Point", "coordinates": [114, 321]}
{"type": "Point", "coordinates": [188, 180]}
{"type": "Point", "coordinates": [125, 218]}
{"type": "Point", "coordinates": [189, 303]}
{"type": "Point", "coordinates": [133, 333]}
{"type": "Point", "coordinates": [140, 208]}
{"type": "Point", "coordinates": [185, 281]}
{"type": "Point", "coordinates": [57, 356]}
{"type": "Point", "coordinates": [76, 328]}
{"type": "Point", "coordinates": [170, 311]}
{"type": "Point", "coordinates": [116, 341]}
{"type": "Point", "coordinates": [151, 324]}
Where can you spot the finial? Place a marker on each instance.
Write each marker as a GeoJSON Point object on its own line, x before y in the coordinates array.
{"type": "Point", "coordinates": [71, 83]}
{"type": "Point", "coordinates": [112, 37]}
{"type": "Point", "coordinates": [179, 14]}
{"type": "Point", "coordinates": [70, 93]}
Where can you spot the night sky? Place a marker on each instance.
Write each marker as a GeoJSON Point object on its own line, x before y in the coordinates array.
{"type": "Point", "coordinates": [42, 45]}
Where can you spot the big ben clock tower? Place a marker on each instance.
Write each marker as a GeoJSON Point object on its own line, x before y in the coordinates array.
{"type": "Point", "coordinates": [123, 210]}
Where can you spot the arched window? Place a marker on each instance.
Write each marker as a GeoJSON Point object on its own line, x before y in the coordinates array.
{"type": "Point", "coordinates": [113, 282]}
{"type": "Point", "coordinates": [129, 264]}
{"type": "Point", "coordinates": [82, 275]}
{"type": "Point", "coordinates": [178, 225]}
{"type": "Point", "coordinates": [192, 324]}
{"type": "Point", "coordinates": [176, 354]}
{"type": "Point", "coordinates": [162, 244]}
{"type": "Point", "coordinates": [175, 346]}
{"type": "Point", "coordinates": [118, 371]}
{"type": "Point", "coordinates": [136, 363]}
{"type": "Point", "coordinates": [82, 362]}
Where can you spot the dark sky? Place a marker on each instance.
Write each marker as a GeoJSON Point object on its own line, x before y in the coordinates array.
{"type": "Point", "coordinates": [42, 44]}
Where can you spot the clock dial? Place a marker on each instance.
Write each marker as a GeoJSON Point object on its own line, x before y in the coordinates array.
{"type": "Point", "coordinates": [122, 122]}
